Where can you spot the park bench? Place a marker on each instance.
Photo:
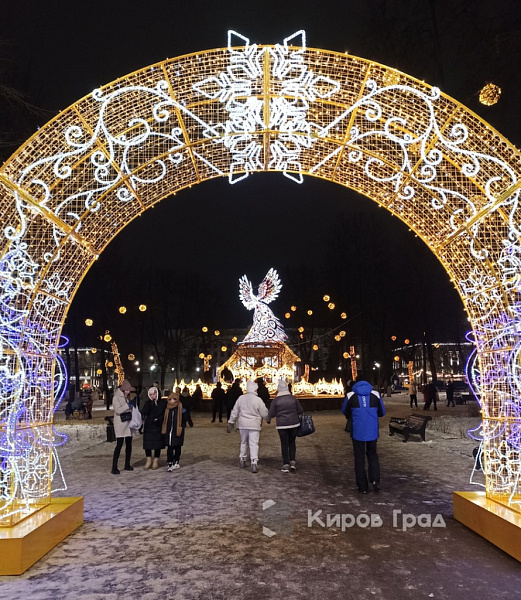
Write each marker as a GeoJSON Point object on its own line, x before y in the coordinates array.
{"type": "Point", "coordinates": [412, 424]}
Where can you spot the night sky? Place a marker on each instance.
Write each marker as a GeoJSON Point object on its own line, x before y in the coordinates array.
{"type": "Point", "coordinates": [57, 52]}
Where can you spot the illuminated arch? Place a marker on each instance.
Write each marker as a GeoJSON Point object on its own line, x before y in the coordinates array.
{"type": "Point", "coordinates": [84, 176]}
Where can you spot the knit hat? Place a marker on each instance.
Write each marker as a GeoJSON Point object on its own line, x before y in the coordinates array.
{"type": "Point", "coordinates": [282, 388]}
{"type": "Point", "coordinates": [125, 386]}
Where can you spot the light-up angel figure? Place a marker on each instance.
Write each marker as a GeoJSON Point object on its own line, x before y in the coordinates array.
{"type": "Point", "coordinates": [266, 327]}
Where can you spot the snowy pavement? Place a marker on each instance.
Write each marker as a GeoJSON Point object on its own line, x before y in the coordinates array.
{"type": "Point", "coordinates": [214, 531]}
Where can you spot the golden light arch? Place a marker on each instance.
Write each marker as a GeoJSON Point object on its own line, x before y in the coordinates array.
{"type": "Point", "coordinates": [247, 108]}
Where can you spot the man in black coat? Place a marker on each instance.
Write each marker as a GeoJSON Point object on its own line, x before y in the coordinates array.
{"type": "Point", "coordinates": [232, 395]}
{"type": "Point", "coordinates": [450, 392]}
{"type": "Point", "coordinates": [262, 391]}
{"type": "Point", "coordinates": [431, 396]}
{"type": "Point", "coordinates": [218, 397]}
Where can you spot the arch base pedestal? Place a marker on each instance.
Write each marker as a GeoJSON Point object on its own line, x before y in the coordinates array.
{"type": "Point", "coordinates": [26, 542]}
{"type": "Point", "coordinates": [495, 522]}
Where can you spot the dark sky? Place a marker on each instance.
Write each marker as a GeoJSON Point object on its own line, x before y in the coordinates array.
{"type": "Point", "coordinates": [56, 52]}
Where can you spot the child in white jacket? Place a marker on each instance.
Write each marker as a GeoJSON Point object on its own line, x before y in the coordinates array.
{"type": "Point", "coordinates": [249, 410]}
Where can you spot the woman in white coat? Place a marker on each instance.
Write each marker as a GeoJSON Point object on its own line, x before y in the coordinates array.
{"type": "Point", "coordinates": [121, 404]}
{"type": "Point", "coordinates": [249, 410]}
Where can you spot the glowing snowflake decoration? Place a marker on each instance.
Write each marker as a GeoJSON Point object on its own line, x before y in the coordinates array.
{"type": "Point", "coordinates": [241, 90]}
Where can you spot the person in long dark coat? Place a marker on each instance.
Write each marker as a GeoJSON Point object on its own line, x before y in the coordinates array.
{"type": "Point", "coordinates": [430, 394]}
{"type": "Point", "coordinates": [450, 392]}
{"type": "Point", "coordinates": [262, 391]}
{"type": "Point", "coordinates": [173, 430]}
{"type": "Point", "coordinates": [232, 394]}
{"type": "Point", "coordinates": [218, 397]}
{"type": "Point", "coordinates": [197, 396]}
{"type": "Point", "coordinates": [153, 413]}
{"type": "Point", "coordinates": [187, 401]}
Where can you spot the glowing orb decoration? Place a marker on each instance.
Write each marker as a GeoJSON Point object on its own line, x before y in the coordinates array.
{"type": "Point", "coordinates": [89, 322]}
{"type": "Point", "coordinates": [326, 298]}
{"type": "Point", "coordinates": [131, 357]}
{"type": "Point", "coordinates": [310, 312]}
{"type": "Point", "coordinates": [343, 315]}
{"type": "Point", "coordinates": [217, 332]}
{"type": "Point", "coordinates": [315, 347]}
{"type": "Point", "coordinates": [142, 307]}
{"type": "Point", "coordinates": [94, 350]}
{"type": "Point", "coordinates": [107, 337]}
{"type": "Point", "coordinates": [82, 177]}
{"type": "Point", "coordinates": [407, 341]}
{"type": "Point", "coordinates": [331, 306]}
{"type": "Point", "coordinates": [489, 94]}
{"type": "Point", "coordinates": [204, 329]}
{"type": "Point", "coordinates": [223, 348]}
{"type": "Point", "coordinates": [122, 309]}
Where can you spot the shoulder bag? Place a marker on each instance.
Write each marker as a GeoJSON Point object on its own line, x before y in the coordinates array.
{"type": "Point", "coordinates": [306, 426]}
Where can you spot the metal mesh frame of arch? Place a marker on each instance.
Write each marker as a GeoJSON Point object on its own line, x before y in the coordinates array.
{"type": "Point", "coordinates": [232, 112]}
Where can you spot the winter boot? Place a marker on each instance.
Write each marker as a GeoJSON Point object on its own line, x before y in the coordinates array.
{"type": "Point", "coordinates": [155, 464]}
{"type": "Point", "coordinates": [115, 470]}
{"type": "Point", "coordinates": [128, 453]}
{"type": "Point", "coordinates": [148, 463]}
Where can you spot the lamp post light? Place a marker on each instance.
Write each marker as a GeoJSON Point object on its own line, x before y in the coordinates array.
{"type": "Point", "coordinates": [377, 365]}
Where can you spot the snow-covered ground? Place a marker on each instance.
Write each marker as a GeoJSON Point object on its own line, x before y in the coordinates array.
{"type": "Point", "coordinates": [199, 533]}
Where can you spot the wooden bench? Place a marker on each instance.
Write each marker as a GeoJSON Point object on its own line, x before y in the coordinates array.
{"type": "Point", "coordinates": [412, 424]}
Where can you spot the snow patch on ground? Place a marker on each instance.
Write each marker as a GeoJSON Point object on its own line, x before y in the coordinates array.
{"type": "Point", "coordinates": [80, 437]}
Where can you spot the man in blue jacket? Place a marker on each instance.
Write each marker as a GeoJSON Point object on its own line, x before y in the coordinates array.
{"type": "Point", "coordinates": [362, 407]}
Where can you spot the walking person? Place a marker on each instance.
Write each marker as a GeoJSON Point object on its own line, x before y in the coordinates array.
{"type": "Point", "coordinates": [153, 413]}
{"type": "Point", "coordinates": [430, 394]}
{"type": "Point", "coordinates": [186, 399]}
{"type": "Point", "coordinates": [197, 397]}
{"type": "Point", "coordinates": [248, 412]}
{"type": "Point", "coordinates": [413, 391]}
{"type": "Point", "coordinates": [286, 409]}
{"type": "Point", "coordinates": [173, 430]}
{"type": "Point", "coordinates": [121, 404]}
{"type": "Point", "coordinates": [218, 397]}
{"type": "Point", "coordinates": [450, 392]}
{"type": "Point", "coordinates": [232, 395]}
{"type": "Point", "coordinates": [363, 406]}
{"type": "Point", "coordinates": [262, 391]}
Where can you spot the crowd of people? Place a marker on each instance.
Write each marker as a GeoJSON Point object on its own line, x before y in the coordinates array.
{"type": "Point", "coordinates": [163, 419]}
